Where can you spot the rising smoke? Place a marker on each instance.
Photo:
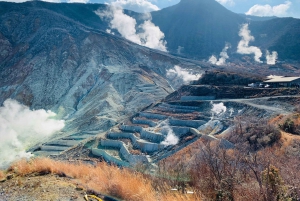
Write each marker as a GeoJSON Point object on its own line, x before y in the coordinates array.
{"type": "Point", "coordinates": [218, 108]}
{"type": "Point", "coordinates": [223, 56]}
{"type": "Point", "coordinates": [243, 46]}
{"type": "Point", "coordinates": [171, 138]}
{"type": "Point", "coordinates": [21, 128]}
{"type": "Point", "coordinates": [271, 58]}
{"type": "Point", "coordinates": [182, 74]}
{"type": "Point", "coordinates": [149, 36]}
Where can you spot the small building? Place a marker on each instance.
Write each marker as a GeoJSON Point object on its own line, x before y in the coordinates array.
{"type": "Point", "coordinates": [280, 81]}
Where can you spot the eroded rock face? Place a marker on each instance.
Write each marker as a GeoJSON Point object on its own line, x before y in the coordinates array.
{"type": "Point", "coordinates": [90, 78]}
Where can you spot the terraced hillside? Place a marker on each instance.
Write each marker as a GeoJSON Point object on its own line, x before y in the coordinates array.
{"type": "Point", "coordinates": [162, 129]}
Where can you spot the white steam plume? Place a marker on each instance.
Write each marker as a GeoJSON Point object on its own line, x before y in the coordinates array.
{"type": "Point", "coordinates": [223, 56]}
{"type": "Point", "coordinates": [150, 35]}
{"type": "Point", "coordinates": [21, 128]}
{"type": "Point", "coordinates": [213, 59]}
{"type": "Point", "coordinates": [171, 138]}
{"type": "Point", "coordinates": [218, 108]}
{"type": "Point", "coordinates": [271, 58]}
{"type": "Point", "coordinates": [184, 75]}
{"type": "Point", "coordinates": [243, 46]}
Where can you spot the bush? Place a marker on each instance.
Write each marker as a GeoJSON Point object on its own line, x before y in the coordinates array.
{"type": "Point", "coordinates": [227, 78]}
{"type": "Point", "coordinates": [288, 126]}
{"type": "Point", "coordinates": [122, 183]}
{"type": "Point", "coordinates": [274, 184]}
{"type": "Point", "coordinates": [255, 134]}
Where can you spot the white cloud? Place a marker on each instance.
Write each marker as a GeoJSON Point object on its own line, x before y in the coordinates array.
{"type": "Point", "coordinates": [184, 75]}
{"type": "Point", "coordinates": [243, 46]}
{"type": "Point", "coordinates": [149, 35]}
{"type": "Point", "coordinates": [52, 1]}
{"type": "Point", "coordinates": [271, 58]}
{"type": "Point", "coordinates": [223, 56]}
{"type": "Point", "coordinates": [226, 2]}
{"type": "Point", "coordinates": [135, 5]}
{"type": "Point", "coordinates": [267, 10]}
{"type": "Point", "coordinates": [77, 1]}
{"type": "Point", "coordinates": [21, 128]}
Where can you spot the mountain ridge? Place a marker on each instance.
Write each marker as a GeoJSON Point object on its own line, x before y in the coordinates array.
{"type": "Point", "coordinates": [87, 76]}
{"type": "Point", "coordinates": [204, 27]}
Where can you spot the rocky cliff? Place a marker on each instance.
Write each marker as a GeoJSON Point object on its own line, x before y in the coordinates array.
{"type": "Point", "coordinates": [90, 78]}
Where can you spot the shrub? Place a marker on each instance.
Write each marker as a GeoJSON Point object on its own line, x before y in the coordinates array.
{"type": "Point", "coordinates": [254, 133]}
{"type": "Point", "coordinates": [220, 78]}
{"type": "Point", "coordinates": [288, 126]}
{"type": "Point", "coordinates": [124, 183]}
{"type": "Point", "coordinates": [274, 183]}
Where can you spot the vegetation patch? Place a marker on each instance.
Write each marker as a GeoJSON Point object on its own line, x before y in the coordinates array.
{"type": "Point", "coordinates": [254, 133]}
{"type": "Point", "coordinates": [125, 184]}
{"type": "Point", "coordinates": [219, 78]}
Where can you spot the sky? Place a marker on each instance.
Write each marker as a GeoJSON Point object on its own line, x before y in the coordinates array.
{"type": "Point", "coordinates": [279, 8]}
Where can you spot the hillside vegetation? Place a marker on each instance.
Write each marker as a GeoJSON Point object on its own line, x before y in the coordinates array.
{"type": "Point", "coordinates": [100, 178]}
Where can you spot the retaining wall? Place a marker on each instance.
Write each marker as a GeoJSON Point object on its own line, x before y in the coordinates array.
{"type": "Point", "coordinates": [53, 148]}
{"type": "Point", "coordinates": [153, 137]}
{"type": "Point", "coordinates": [150, 136]}
{"type": "Point", "coordinates": [109, 158]}
{"type": "Point", "coordinates": [153, 116]}
{"type": "Point", "coordinates": [195, 131]}
{"type": "Point", "coordinates": [197, 98]}
{"type": "Point", "coordinates": [179, 131]}
{"type": "Point", "coordinates": [150, 147]}
{"type": "Point", "coordinates": [132, 159]}
{"type": "Point", "coordinates": [130, 136]}
{"type": "Point", "coordinates": [144, 121]}
{"type": "Point", "coordinates": [146, 147]}
{"type": "Point", "coordinates": [209, 137]}
{"type": "Point", "coordinates": [188, 123]}
{"type": "Point", "coordinates": [175, 110]}
{"type": "Point", "coordinates": [68, 143]}
{"type": "Point", "coordinates": [180, 106]}
{"type": "Point", "coordinates": [131, 128]}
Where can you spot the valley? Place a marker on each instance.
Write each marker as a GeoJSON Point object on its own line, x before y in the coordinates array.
{"type": "Point", "coordinates": [133, 106]}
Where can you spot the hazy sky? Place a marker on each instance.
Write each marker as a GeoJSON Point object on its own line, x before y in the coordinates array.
{"type": "Point", "coordinates": [280, 8]}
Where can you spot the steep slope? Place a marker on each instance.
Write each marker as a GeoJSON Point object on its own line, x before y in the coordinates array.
{"type": "Point", "coordinates": [280, 34]}
{"type": "Point", "coordinates": [90, 78]}
{"type": "Point", "coordinates": [200, 27]}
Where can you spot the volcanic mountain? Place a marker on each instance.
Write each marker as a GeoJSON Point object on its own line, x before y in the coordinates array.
{"type": "Point", "coordinates": [53, 57]}
{"type": "Point", "coordinates": [198, 29]}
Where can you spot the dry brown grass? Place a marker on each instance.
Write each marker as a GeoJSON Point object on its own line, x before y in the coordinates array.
{"type": "Point", "coordinates": [103, 178]}
{"type": "Point", "coordinates": [2, 175]}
